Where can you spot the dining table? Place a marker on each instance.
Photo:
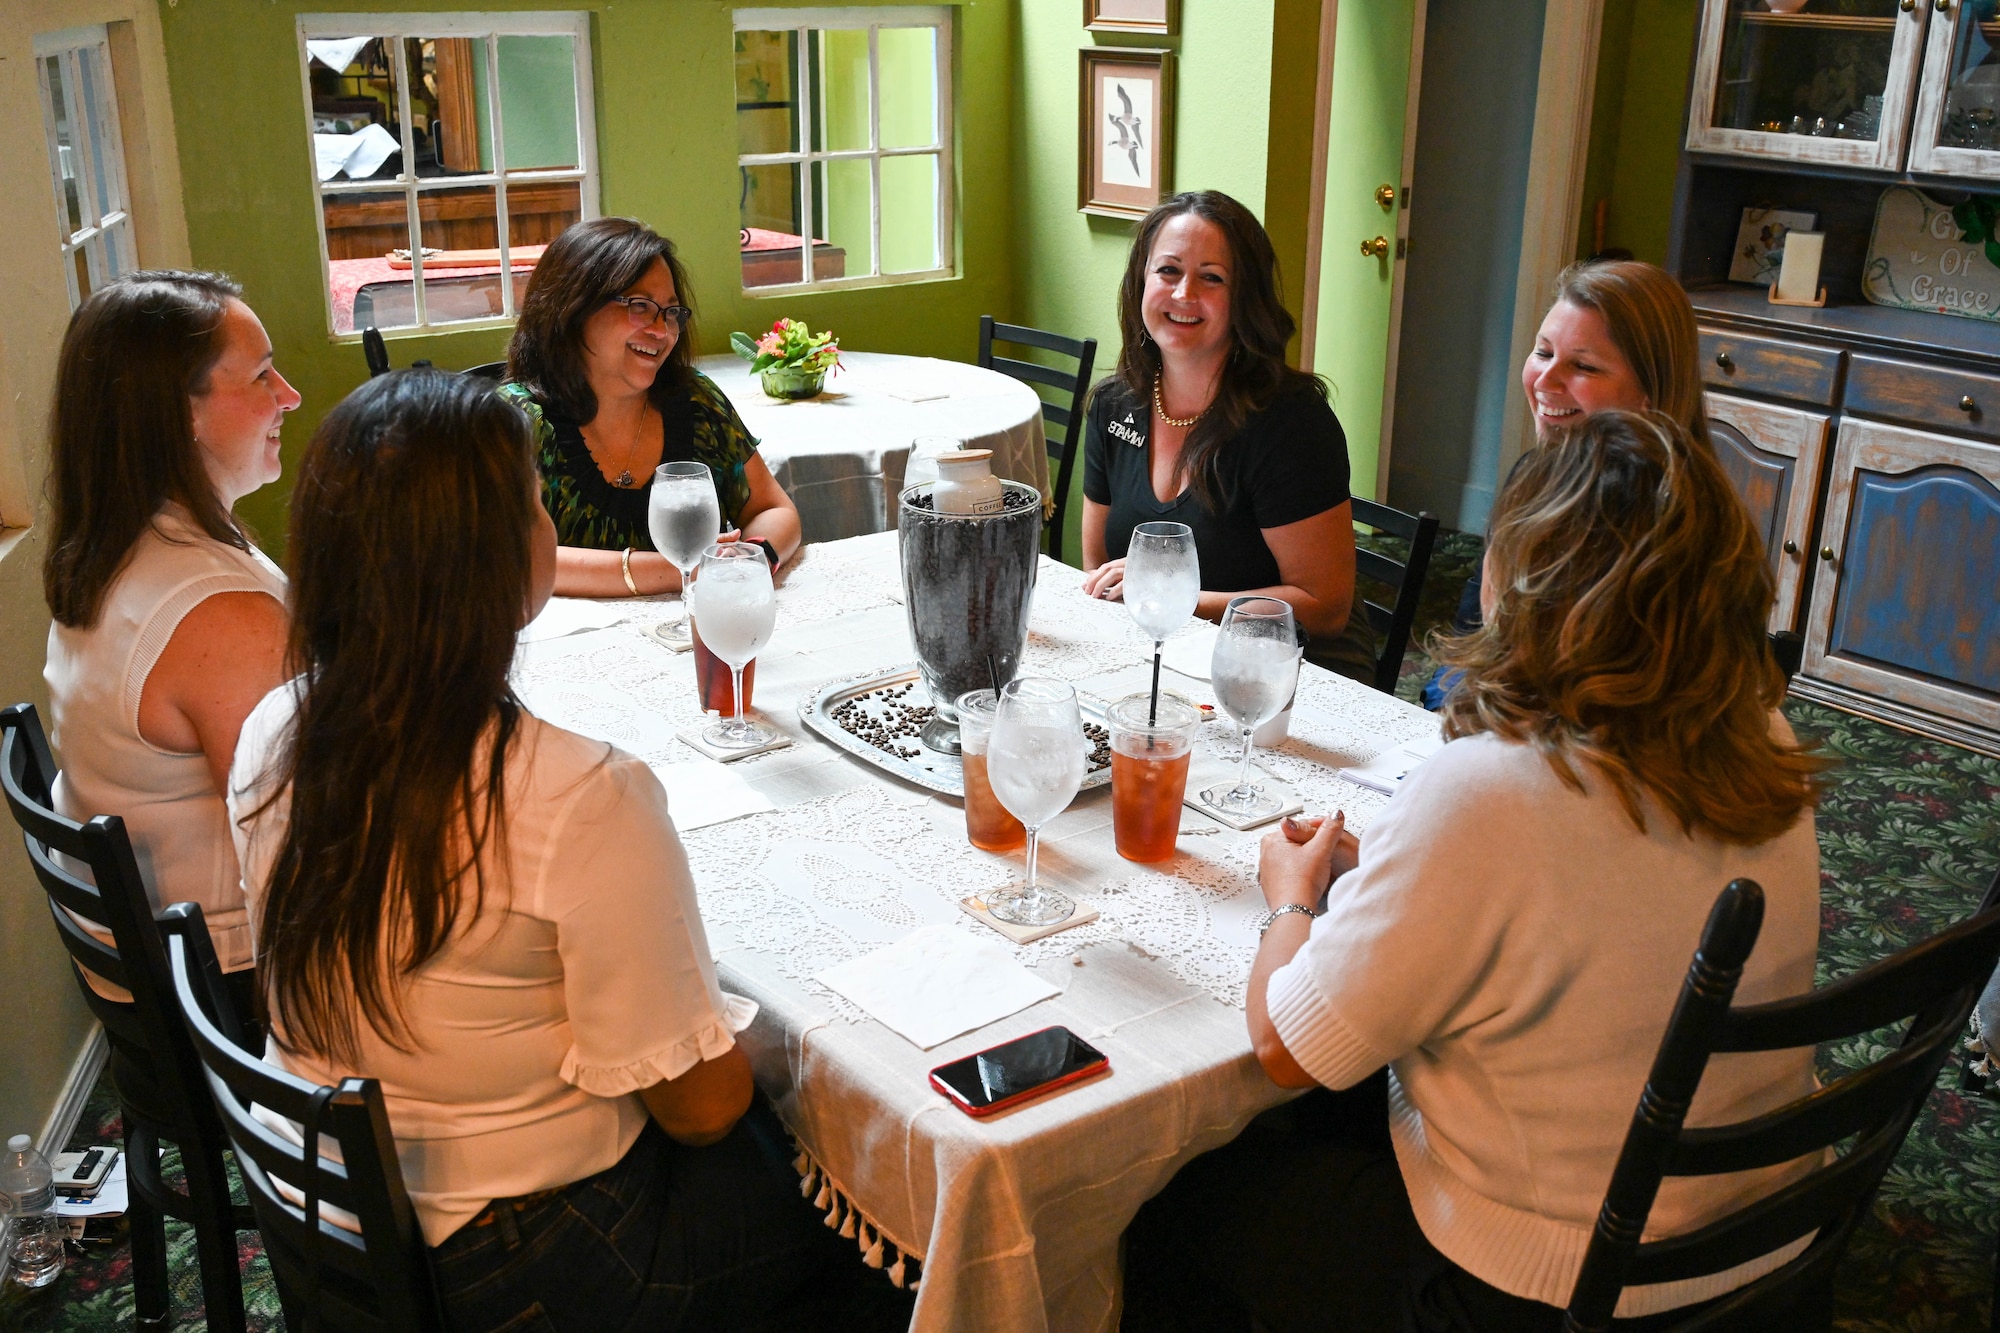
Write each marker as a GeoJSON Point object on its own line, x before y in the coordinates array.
{"type": "Point", "coordinates": [840, 455]}
{"type": "Point", "coordinates": [807, 857]}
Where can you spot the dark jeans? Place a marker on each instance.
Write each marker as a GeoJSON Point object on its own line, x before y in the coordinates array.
{"type": "Point", "coordinates": [670, 1238]}
{"type": "Point", "coordinates": [1303, 1224]}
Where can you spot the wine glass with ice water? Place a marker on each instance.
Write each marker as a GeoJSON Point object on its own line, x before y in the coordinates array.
{"type": "Point", "coordinates": [1162, 582]}
{"type": "Point", "coordinates": [1254, 671]}
{"type": "Point", "coordinates": [683, 516]}
{"type": "Point", "coordinates": [734, 601]}
{"type": "Point", "coordinates": [1034, 760]}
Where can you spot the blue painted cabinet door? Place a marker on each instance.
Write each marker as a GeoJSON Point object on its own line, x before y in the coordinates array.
{"type": "Point", "coordinates": [1907, 605]}
{"type": "Point", "coordinates": [1773, 456]}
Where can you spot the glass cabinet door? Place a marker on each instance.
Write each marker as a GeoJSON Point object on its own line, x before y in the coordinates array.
{"type": "Point", "coordinates": [1808, 80]}
{"type": "Point", "coordinates": [1957, 128]}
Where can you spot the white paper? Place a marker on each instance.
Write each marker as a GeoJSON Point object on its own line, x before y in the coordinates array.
{"type": "Point", "coordinates": [701, 792]}
{"type": "Point", "coordinates": [337, 53]}
{"type": "Point", "coordinates": [938, 982]}
{"type": "Point", "coordinates": [359, 155]}
{"type": "Point", "coordinates": [564, 616]}
{"type": "Point", "coordinates": [1386, 771]}
{"type": "Point", "coordinates": [1191, 653]}
{"type": "Point", "coordinates": [110, 1201]}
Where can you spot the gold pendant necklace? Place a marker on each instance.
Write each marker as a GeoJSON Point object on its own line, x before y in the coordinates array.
{"type": "Point", "coordinates": [1178, 423]}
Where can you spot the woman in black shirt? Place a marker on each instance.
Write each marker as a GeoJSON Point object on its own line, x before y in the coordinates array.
{"type": "Point", "coordinates": [1205, 424]}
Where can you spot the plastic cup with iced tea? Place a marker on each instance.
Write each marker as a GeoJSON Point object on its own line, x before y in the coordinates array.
{"type": "Point", "coordinates": [1150, 749]}
{"type": "Point", "coordinates": [988, 826]}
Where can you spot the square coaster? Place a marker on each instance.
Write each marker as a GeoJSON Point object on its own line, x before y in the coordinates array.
{"type": "Point", "coordinates": [692, 738]}
{"type": "Point", "coordinates": [1204, 776]}
{"type": "Point", "coordinates": [658, 634]}
{"type": "Point", "coordinates": [1082, 916]}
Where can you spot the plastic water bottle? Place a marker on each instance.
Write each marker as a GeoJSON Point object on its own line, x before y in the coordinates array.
{"type": "Point", "coordinates": [28, 1203]}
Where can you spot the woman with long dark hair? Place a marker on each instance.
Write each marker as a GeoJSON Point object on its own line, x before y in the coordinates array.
{"type": "Point", "coordinates": [1205, 424]}
{"type": "Point", "coordinates": [494, 916]}
{"type": "Point", "coordinates": [603, 362]}
{"type": "Point", "coordinates": [1510, 937]}
{"type": "Point", "coordinates": [169, 623]}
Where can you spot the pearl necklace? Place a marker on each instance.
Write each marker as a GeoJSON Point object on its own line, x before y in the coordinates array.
{"type": "Point", "coordinates": [1178, 423]}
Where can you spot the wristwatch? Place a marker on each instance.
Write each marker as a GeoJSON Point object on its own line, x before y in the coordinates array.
{"type": "Point", "coordinates": [770, 551]}
{"type": "Point", "coordinates": [1269, 917]}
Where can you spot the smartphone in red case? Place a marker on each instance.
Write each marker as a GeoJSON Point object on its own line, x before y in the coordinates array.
{"type": "Point", "coordinates": [1015, 1071]}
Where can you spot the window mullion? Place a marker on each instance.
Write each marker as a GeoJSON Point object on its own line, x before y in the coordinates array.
{"type": "Point", "coordinates": [500, 173]}
{"type": "Point", "coordinates": [874, 152]}
{"type": "Point", "coordinates": [400, 71]}
{"type": "Point", "coordinates": [806, 122]}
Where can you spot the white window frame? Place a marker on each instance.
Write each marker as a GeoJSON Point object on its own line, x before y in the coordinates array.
{"type": "Point", "coordinates": [398, 28]}
{"type": "Point", "coordinates": [106, 237]}
{"type": "Point", "coordinates": [800, 21]}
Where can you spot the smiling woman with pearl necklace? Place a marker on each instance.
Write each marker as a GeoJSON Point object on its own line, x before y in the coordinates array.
{"type": "Point", "coordinates": [602, 361]}
{"type": "Point", "coordinates": [1206, 424]}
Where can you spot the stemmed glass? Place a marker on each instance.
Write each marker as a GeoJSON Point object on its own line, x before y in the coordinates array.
{"type": "Point", "coordinates": [683, 515]}
{"type": "Point", "coordinates": [733, 597]}
{"type": "Point", "coordinates": [1034, 761]}
{"type": "Point", "coordinates": [1162, 583]}
{"type": "Point", "coordinates": [1255, 671]}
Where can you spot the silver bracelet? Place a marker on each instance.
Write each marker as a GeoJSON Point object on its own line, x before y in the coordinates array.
{"type": "Point", "coordinates": [1306, 912]}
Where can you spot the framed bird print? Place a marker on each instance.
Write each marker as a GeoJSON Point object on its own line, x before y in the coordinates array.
{"type": "Point", "coordinates": [1159, 17]}
{"type": "Point", "coordinates": [1125, 149]}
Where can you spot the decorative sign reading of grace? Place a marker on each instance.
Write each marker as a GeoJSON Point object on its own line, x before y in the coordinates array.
{"type": "Point", "coordinates": [1925, 255]}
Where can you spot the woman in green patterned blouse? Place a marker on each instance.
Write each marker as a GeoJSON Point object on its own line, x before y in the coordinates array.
{"type": "Point", "coordinates": [602, 361]}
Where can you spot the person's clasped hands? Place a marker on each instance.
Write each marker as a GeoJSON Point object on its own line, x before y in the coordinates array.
{"type": "Point", "coordinates": [1302, 856]}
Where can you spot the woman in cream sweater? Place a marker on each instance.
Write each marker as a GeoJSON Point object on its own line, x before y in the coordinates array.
{"type": "Point", "coordinates": [1510, 939]}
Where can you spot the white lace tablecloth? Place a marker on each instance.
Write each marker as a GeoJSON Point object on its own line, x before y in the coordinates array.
{"type": "Point", "coordinates": [840, 456]}
{"type": "Point", "coordinates": [1015, 1218]}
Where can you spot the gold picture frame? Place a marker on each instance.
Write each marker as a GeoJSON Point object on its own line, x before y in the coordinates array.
{"type": "Point", "coordinates": [1125, 130]}
{"type": "Point", "coordinates": [1159, 18]}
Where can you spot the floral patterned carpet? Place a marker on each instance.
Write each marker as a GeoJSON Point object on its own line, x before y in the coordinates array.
{"type": "Point", "coordinates": [1909, 838]}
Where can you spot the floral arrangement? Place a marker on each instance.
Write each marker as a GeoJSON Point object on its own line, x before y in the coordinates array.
{"type": "Point", "coordinates": [790, 345]}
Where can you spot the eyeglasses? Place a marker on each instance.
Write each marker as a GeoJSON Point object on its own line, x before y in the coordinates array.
{"type": "Point", "coordinates": [643, 310]}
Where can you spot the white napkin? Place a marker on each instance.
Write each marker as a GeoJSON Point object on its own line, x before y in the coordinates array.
{"type": "Point", "coordinates": [564, 616]}
{"type": "Point", "coordinates": [359, 155]}
{"type": "Point", "coordinates": [1190, 653]}
{"type": "Point", "coordinates": [701, 792]}
{"type": "Point", "coordinates": [1386, 771]}
{"type": "Point", "coordinates": [337, 53]}
{"type": "Point", "coordinates": [937, 982]}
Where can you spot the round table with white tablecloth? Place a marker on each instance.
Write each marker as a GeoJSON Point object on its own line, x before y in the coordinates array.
{"type": "Point", "coordinates": [840, 456]}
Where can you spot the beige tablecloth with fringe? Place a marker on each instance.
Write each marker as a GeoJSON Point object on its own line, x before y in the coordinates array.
{"type": "Point", "coordinates": [1011, 1223]}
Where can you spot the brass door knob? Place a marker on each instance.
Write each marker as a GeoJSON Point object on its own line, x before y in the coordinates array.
{"type": "Point", "coordinates": [1826, 554]}
{"type": "Point", "coordinates": [1385, 195]}
{"type": "Point", "coordinates": [1944, 6]}
{"type": "Point", "coordinates": [1376, 248]}
{"type": "Point", "coordinates": [1791, 547]}
{"type": "Point", "coordinates": [1966, 404]}
{"type": "Point", "coordinates": [1722, 359]}
{"type": "Point", "coordinates": [1909, 6]}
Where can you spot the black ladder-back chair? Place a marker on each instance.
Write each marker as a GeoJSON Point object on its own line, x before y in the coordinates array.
{"type": "Point", "coordinates": [329, 1278]}
{"type": "Point", "coordinates": [376, 353]}
{"type": "Point", "coordinates": [1932, 984]}
{"type": "Point", "coordinates": [1406, 576]}
{"type": "Point", "coordinates": [1068, 418]}
{"type": "Point", "coordinates": [161, 1092]}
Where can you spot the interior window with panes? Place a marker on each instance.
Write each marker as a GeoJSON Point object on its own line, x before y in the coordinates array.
{"type": "Point", "coordinates": [843, 129]}
{"type": "Point", "coordinates": [449, 149]}
{"type": "Point", "coordinates": [86, 160]}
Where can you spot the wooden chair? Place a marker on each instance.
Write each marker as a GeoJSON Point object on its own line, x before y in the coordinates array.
{"type": "Point", "coordinates": [1069, 418]}
{"type": "Point", "coordinates": [374, 351]}
{"type": "Point", "coordinates": [376, 1279]}
{"type": "Point", "coordinates": [1406, 576]}
{"type": "Point", "coordinates": [161, 1092]}
{"type": "Point", "coordinates": [1788, 650]}
{"type": "Point", "coordinates": [1932, 984]}
{"type": "Point", "coordinates": [490, 370]}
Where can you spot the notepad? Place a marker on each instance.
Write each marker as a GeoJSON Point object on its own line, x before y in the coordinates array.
{"type": "Point", "coordinates": [1387, 770]}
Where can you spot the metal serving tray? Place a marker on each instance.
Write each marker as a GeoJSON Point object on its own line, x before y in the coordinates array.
{"type": "Point", "coordinates": [938, 772]}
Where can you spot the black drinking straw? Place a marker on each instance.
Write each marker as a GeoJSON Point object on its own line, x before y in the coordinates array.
{"type": "Point", "coordinates": [993, 674]}
{"type": "Point", "coordinates": [1153, 709]}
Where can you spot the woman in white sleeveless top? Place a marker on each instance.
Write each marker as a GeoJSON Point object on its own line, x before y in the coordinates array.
{"type": "Point", "coordinates": [169, 624]}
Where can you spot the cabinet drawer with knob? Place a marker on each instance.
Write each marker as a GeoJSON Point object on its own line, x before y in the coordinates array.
{"type": "Point", "coordinates": [1769, 367]}
{"type": "Point", "coordinates": [1961, 402]}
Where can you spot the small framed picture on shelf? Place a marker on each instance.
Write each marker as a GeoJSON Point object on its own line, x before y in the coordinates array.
{"type": "Point", "coordinates": [1760, 242]}
{"type": "Point", "coordinates": [1125, 147]}
{"type": "Point", "coordinates": [1159, 18]}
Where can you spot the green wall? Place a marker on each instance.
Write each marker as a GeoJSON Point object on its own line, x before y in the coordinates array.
{"type": "Point", "coordinates": [664, 81]}
{"type": "Point", "coordinates": [1069, 263]}
{"type": "Point", "coordinates": [1637, 122]}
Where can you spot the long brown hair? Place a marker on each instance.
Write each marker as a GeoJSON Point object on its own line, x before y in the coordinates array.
{"type": "Point", "coordinates": [121, 429]}
{"type": "Point", "coordinates": [411, 569]}
{"type": "Point", "coordinates": [1259, 329]}
{"type": "Point", "coordinates": [586, 266]}
{"type": "Point", "coordinates": [1651, 322]}
{"type": "Point", "coordinates": [1627, 631]}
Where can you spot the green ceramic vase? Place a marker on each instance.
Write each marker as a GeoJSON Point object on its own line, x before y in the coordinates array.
{"type": "Point", "coordinates": [793, 382]}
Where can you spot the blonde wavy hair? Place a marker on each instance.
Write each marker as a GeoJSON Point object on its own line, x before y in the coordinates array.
{"type": "Point", "coordinates": [1627, 631]}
